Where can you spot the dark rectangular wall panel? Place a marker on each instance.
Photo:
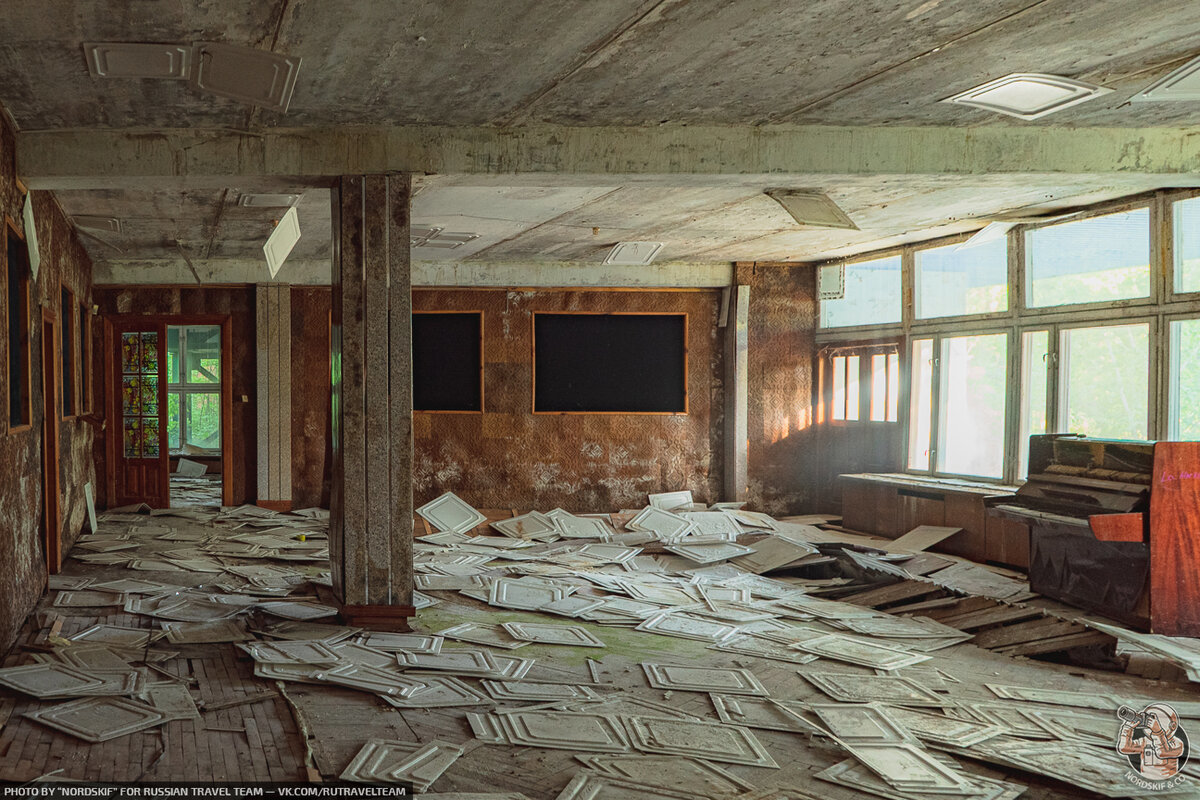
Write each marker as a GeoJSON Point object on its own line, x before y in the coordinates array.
{"type": "Point", "coordinates": [631, 363]}
{"type": "Point", "coordinates": [447, 361]}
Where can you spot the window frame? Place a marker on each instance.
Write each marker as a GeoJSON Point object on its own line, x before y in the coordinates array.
{"type": "Point", "coordinates": [857, 331]}
{"type": "Point", "coordinates": [1167, 234]}
{"type": "Point", "coordinates": [183, 388]}
{"type": "Point", "coordinates": [26, 343]}
{"type": "Point", "coordinates": [865, 353]}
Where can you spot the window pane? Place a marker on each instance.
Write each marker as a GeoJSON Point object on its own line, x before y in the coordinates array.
{"type": "Point", "coordinates": [1035, 351]}
{"type": "Point", "coordinates": [1104, 374]}
{"type": "Point", "coordinates": [172, 355]}
{"type": "Point", "coordinates": [879, 387]}
{"type": "Point", "coordinates": [852, 401]}
{"type": "Point", "coordinates": [1187, 245]}
{"type": "Point", "coordinates": [173, 420]}
{"type": "Point", "coordinates": [871, 295]}
{"type": "Point", "coordinates": [953, 281]}
{"type": "Point", "coordinates": [1185, 380]}
{"type": "Point", "coordinates": [893, 398]}
{"type": "Point", "coordinates": [202, 354]}
{"type": "Point", "coordinates": [1091, 260]}
{"type": "Point", "coordinates": [971, 400]}
{"type": "Point", "coordinates": [920, 406]}
{"type": "Point", "coordinates": [839, 387]}
{"type": "Point", "coordinates": [203, 421]}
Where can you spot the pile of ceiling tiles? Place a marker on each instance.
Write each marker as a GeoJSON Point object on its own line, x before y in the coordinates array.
{"type": "Point", "coordinates": [215, 541]}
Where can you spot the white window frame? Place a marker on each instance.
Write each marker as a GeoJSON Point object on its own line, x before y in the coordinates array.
{"type": "Point", "coordinates": [183, 389]}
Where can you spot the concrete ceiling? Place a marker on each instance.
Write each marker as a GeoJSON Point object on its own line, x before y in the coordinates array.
{"type": "Point", "coordinates": [591, 63]}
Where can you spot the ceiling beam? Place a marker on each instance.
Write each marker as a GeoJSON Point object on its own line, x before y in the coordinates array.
{"type": "Point", "coordinates": [316, 272]}
{"type": "Point", "coordinates": [88, 158]}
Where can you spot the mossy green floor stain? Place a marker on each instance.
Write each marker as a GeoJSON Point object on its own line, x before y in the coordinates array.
{"type": "Point", "coordinates": [618, 641]}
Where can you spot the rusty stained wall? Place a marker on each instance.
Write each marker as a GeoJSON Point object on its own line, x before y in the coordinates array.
{"type": "Point", "coordinates": [784, 457]}
{"type": "Point", "coordinates": [236, 301]}
{"type": "Point", "coordinates": [508, 457]}
{"type": "Point", "coordinates": [311, 446]}
{"type": "Point", "coordinates": [22, 557]}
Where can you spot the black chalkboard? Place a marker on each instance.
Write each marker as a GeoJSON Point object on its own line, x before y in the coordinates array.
{"type": "Point", "coordinates": [447, 362]}
{"type": "Point", "coordinates": [610, 363]}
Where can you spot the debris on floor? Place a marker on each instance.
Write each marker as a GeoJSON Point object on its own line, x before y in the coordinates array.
{"type": "Point", "coordinates": [828, 659]}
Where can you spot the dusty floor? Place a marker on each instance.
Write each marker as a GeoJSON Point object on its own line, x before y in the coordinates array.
{"type": "Point", "coordinates": [259, 741]}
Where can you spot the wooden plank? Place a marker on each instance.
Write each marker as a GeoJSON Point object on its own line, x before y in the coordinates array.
{"type": "Point", "coordinates": [1025, 632]}
{"type": "Point", "coordinates": [892, 593]}
{"type": "Point", "coordinates": [284, 390]}
{"type": "Point", "coordinates": [1174, 546]}
{"type": "Point", "coordinates": [965, 605]}
{"type": "Point", "coordinates": [1056, 643]}
{"type": "Point", "coordinates": [992, 616]}
{"type": "Point", "coordinates": [262, 404]}
{"type": "Point", "coordinates": [925, 606]}
{"type": "Point", "coordinates": [966, 511]}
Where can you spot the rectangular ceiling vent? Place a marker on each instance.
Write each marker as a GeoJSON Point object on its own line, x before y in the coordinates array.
{"type": "Point", "coordinates": [633, 253]}
{"type": "Point", "coordinates": [253, 76]}
{"type": "Point", "coordinates": [812, 208]}
{"type": "Point", "coordinates": [440, 238]}
{"type": "Point", "coordinates": [92, 222]}
{"type": "Point", "coordinates": [282, 240]}
{"type": "Point", "coordinates": [268, 200]}
{"type": "Point", "coordinates": [1028, 95]}
{"type": "Point", "coordinates": [1181, 84]}
{"type": "Point", "coordinates": [138, 60]}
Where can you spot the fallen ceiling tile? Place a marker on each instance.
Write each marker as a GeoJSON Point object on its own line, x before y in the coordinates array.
{"type": "Point", "coordinates": [707, 740]}
{"type": "Point", "coordinates": [908, 767]}
{"type": "Point", "coordinates": [450, 513]}
{"type": "Point", "coordinates": [535, 692]}
{"type": "Point", "coordinates": [542, 633]}
{"type": "Point", "coordinates": [526, 526]}
{"type": "Point", "coordinates": [99, 719]}
{"type": "Point", "coordinates": [704, 679]}
{"type": "Point", "coordinates": [87, 599]}
{"type": "Point", "coordinates": [855, 688]}
{"type": "Point", "coordinates": [867, 723]}
{"type": "Point", "coordinates": [863, 652]}
{"type": "Point", "coordinates": [687, 626]}
{"type": "Point", "coordinates": [49, 680]}
{"type": "Point", "coordinates": [413, 642]}
{"type": "Point", "coordinates": [566, 731]}
{"type": "Point", "coordinates": [441, 691]}
{"type": "Point", "coordinates": [755, 712]}
{"type": "Point", "coordinates": [695, 777]}
{"type": "Point", "coordinates": [482, 633]}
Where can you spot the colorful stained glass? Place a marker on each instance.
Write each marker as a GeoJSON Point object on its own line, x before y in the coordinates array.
{"type": "Point", "coordinates": [150, 395]}
{"type": "Point", "coordinates": [131, 352]}
{"type": "Point", "coordinates": [150, 352]}
{"type": "Point", "coordinates": [150, 437]}
{"type": "Point", "coordinates": [133, 437]}
{"type": "Point", "coordinates": [131, 395]}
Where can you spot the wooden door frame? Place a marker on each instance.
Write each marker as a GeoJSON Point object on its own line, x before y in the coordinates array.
{"type": "Point", "coordinates": [51, 485]}
{"type": "Point", "coordinates": [111, 393]}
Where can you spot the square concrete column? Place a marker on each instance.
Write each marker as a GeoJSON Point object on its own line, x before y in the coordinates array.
{"type": "Point", "coordinates": [371, 509]}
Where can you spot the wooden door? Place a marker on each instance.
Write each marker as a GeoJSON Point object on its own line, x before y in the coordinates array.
{"type": "Point", "coordinates": [137, 414]}
{"type": "Point", "coordinates": [51, 409]}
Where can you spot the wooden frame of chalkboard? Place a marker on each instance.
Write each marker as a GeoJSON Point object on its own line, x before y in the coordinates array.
{"type": "Point", "coordinates": [463, 312]}
{"type": "Point", "coordinates": [683, 354]}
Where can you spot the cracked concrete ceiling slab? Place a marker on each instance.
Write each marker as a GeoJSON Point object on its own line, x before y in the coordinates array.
{"type": "Point", "coordinates": [592, 63]}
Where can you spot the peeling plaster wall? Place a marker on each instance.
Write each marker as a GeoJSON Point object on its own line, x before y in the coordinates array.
{"type": "Point", "coordinates": [239, 303]}
{"type": "Point", "coordinates": [784, 456]}
{"type": "Point", "coordinates": [22, 554]}
{"type": "Point", "coordinates": [312, 454]}
{"type": "Point", "coordinates": [509, 458]}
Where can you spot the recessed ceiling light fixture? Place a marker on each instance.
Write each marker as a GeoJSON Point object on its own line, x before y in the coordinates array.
{"type": "Point", "coordinates": [1180, 84]}
{"type": "Point", "coordinates": [1028, 95]}
{"type": "Point", "coordinates": [138, 60]}
{"type": "Point", "coordinates": [633, 254]}
{"type": "Point", "coordinates": [281, 241]}
{"type": "Point", "coordinates": [93, 222]}
{"type": "Point", "coordinates": [268, 200]}
{"type": "Point", "coordinates": [810, 207]}
{"type": "Point", "coordinates": [254, 76]}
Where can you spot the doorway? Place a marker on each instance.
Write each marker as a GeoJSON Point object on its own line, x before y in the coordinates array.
{"type": "Point", "coordinates": [171, 408]}
{"type": "Point", "coordinates": [51, 502]}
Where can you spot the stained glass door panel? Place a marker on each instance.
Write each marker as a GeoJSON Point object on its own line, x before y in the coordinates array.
{"type": "Point", "coordinates": [141, 474]}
